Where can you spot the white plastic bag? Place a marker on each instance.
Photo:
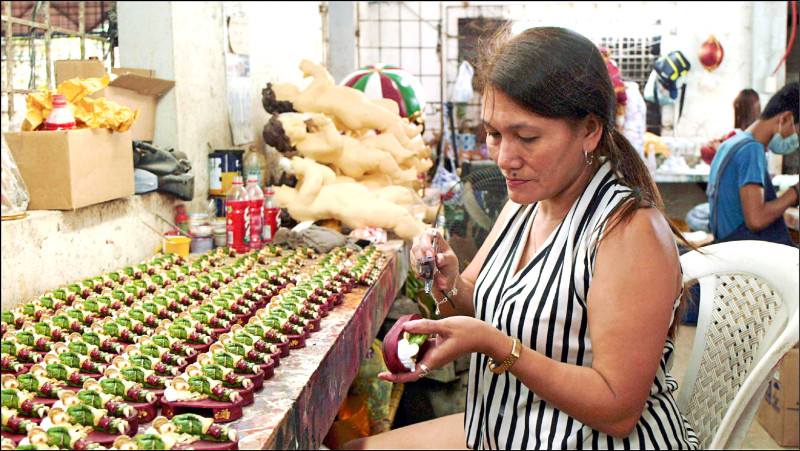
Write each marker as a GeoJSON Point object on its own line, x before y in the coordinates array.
{"type": "Point", "coordinates": [444, 179]}
{"type": "Point", "coordinates": [14, 192]}
{"type": "Point", "coordinates": [462, 89]}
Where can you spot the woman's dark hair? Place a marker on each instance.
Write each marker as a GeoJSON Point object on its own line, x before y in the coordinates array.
{"type": "Point", "coordinates": [786, 99]}
{"type": "Point", "coordinates": [558, 73]}
{"type": "Point", "coordinates": [746, 108]}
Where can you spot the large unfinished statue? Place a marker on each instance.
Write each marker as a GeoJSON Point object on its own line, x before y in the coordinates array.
{"type": "Point", "coordinates": [361, 161]}
{"type": "Point", "coordinates": [314, 136]}
{"type": "Point", "coordinates": [320, 194]}
{"type": "Point", "coordinates": [343, 104]}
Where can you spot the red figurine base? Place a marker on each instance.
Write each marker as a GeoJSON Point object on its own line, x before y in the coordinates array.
{"type": "Point", "coordinates": [258, 379]}
{"type": "Point", "coordinates": [145, 411]}
{"type": "Point", "coordinates": [220, 411]}
{"type": "Point", "coordinates": [107, 439]}
{"type": "Point", "coordinates": [208, 444]}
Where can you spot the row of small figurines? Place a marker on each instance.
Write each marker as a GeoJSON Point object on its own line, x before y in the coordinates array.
{"type": "Point", "coordinates": [195, 384]}
{"type": "Point", "coordinates": [109, 291]}
{"type": "Point", "coordinates": [17, 343]}
{"type": "Point", "coordinates": [85, 356]}
{"type": "Point", "coordinates": [68, 427]}
{"type": "Point", "coordinates": [104, 402]}
{"type": "Point", "coordinates": [161, 308]}
{"type": "Point", "coordinates": [112, 291]}
{"type": "Point", "coordinates": [211, 388]}
{"type": "Point", "coordinates": [125, 328]}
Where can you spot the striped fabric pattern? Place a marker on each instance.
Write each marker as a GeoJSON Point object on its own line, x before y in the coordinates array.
{"type": "Point", "coordinates": [544, 305]}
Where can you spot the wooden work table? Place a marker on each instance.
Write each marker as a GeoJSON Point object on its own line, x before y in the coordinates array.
{"type": "Point", "coordinates": [299, 403]}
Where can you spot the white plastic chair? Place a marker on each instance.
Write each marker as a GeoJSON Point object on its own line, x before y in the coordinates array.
{"type": "Point", "coordinates": [747, 321]}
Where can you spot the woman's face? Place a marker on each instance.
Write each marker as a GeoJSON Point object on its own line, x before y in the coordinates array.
{"type": "Point", "coordinates": [539, 156]}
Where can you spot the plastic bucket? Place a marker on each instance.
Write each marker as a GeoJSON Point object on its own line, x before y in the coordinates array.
{"type": "Point", "coordinates": [177, 245]}
{"type": "Point", "coordinates": [201, 244]}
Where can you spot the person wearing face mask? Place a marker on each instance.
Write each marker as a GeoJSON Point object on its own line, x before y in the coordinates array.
{"type": "Point", "coordinates": [742, 200]}
{"type": "Point", "coordinates": [568, 309]}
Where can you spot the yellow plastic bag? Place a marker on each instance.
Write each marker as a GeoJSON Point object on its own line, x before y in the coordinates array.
{"type": "Point", "coordinates": [88, 112]}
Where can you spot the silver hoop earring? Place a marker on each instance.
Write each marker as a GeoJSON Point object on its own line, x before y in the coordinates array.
{"type": "Point", "coordinates": [589, 160]}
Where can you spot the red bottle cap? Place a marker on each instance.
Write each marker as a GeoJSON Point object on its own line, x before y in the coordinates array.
{"type": "Point", "coordinates": [59, 100]}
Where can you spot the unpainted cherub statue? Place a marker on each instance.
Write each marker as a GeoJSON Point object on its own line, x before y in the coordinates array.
{"type": "Point", "coordinates": [321, 195]}
{"type": "Point", "coordinates": [343, 104]}
{"type": "Point", "coordinates": [315, 136]}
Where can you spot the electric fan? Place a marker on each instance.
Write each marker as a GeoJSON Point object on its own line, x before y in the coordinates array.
{"type": "Point", "coordinates": [470, 207]}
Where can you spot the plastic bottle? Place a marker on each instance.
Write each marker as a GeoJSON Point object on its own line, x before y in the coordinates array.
{"type": "Point", "coordinates": [181, 218]}
{"type": "Point", "coordinates": [254, 162]}
{"type": "Point", "coordinates": [256, 199]}
{"type": "Point", "coordinates": [60, 118]}
{"type": "Point", "coordinates": [272, 211]}
{"type": "Point", "coordinates": [236, 206]}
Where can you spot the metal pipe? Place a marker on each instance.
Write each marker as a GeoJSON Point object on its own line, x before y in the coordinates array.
{"type": "Point", "coordinates": [82, 26]}
{"type": "Point", "coordinates": [47, 34]}
{"type": "Point", "coordinates": [9, 84]}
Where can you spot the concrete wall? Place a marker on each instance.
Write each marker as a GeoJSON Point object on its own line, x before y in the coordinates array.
{"type": "Point", "coordinates": [753, 36]}
{"type": "Point", "coordinates": [282, 34]}
{"type": "Point", "coordinates": [188, 46]}
{"type": "Point", "coordinates": [50, 248]}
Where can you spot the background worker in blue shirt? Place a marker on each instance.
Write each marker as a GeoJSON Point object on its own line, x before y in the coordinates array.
{"type": "Point", "coordinates": [743, 202]}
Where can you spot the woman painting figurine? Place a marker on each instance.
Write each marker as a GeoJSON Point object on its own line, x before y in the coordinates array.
{"type": "Point", "coordinates": [568, 308]}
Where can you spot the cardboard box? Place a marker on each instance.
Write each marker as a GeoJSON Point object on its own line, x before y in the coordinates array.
{"type": "Point", "coordinates": [139, 92]}
{"type": "Point", "coordinates": [69, 69]}
{"type": "Point", "coordinates": [778, 412]}
{"type": "Point", "coordinates": [133, 88]}
{"type": "Point", "coordinates": [70, 169]}
{"type": "Point", "coordinates": [131, 70]}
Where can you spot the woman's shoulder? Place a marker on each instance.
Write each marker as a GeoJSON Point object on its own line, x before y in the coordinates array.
{"type": "Point", "coordinates": [643, 225]}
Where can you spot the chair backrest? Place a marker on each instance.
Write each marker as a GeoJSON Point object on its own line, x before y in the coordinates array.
{"type": "Point", "coordinates": [747, 321]}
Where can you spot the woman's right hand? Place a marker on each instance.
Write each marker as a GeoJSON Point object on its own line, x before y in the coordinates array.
{"type": "Point", "coordinates": [446, 261]}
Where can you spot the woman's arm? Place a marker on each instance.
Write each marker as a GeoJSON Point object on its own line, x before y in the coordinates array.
{"type": "Point", "coordinates": [447, 265]}
{"type": "Point", "coordinates": [758, 214]}
{"type": "Point", "coordinates": [629, 310]}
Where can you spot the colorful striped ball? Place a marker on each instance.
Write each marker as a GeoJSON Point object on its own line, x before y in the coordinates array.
{"type": "Point", "coordinates": [389, 82]}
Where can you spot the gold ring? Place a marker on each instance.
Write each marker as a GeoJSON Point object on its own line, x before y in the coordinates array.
{"type": "Point", "coordinates": [424, 370]}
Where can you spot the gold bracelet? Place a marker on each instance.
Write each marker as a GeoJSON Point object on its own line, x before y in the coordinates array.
{"type": "Point", "coordinates": [453, 291]}
{"type": "Point", "coordinates": [502, 367]}
{"type": "Point", "coordinates": [447, 297]}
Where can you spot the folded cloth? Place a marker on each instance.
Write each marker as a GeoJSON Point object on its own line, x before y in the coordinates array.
{"type": "Point", "coordinates": [699, 218]}
{"type": "Point", "coordinates": [321, 239]}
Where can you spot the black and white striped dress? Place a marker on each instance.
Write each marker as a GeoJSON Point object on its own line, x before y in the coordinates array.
{"type": "Point", "coordinates": [544, 305]}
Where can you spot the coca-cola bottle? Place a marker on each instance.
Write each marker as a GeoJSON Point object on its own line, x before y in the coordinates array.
{"type": "Point", "coordinates": [272, 213]}
{"type": "Point", "coordinates": [60, 118]}
{"type": "Point", "coordinates": [256, 199]}
{"type": "Point", "coordinates": [237, 206]}
{"type": "Point", "coordinates": [181, 218]}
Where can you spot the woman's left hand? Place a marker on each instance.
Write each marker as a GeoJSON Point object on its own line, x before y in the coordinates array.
{"type": "Point", "coordinates": [455, 337]}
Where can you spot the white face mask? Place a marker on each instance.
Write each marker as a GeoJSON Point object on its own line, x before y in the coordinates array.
{"type": "Point", "coordinates": [781, 145]}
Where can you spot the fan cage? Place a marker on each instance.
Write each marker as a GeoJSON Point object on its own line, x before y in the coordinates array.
{"type": "Point", "coordinates": [469, 209]}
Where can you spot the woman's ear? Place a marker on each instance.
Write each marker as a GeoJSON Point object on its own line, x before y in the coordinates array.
{"type": "Point", "coordinates": [592, 132]}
